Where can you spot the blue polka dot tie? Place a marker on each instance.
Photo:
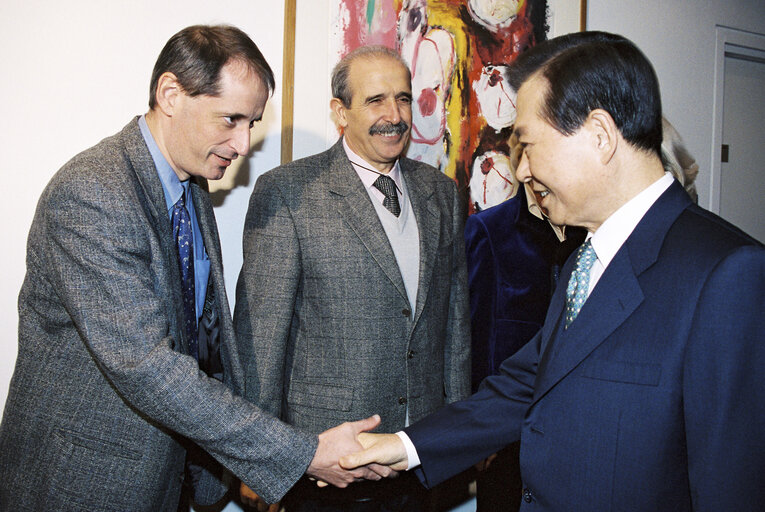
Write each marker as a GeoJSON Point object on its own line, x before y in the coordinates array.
{"type": "Point", "coordinates": [576, 293]}
{"type": "Point", "coordinates": [183, 239]}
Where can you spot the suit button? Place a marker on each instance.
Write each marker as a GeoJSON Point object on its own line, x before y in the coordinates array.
{"type": "Point", "coordinates": [410, 354]}
{"type": "Point", "coordinates": [402, 400]}
{"type": "Point", "coordinates": [527, 497]}
{"type": "Point", "coordinates": [406, 312]}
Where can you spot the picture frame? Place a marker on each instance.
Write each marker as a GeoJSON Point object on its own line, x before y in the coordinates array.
{"type": "Point", "coordinates": [309, 53]}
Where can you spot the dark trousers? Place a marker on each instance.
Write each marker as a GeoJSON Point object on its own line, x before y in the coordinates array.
{"type": "Point", "coordinates": [499, 487]}
{"type": "Point", "coordinates": [401, 494]}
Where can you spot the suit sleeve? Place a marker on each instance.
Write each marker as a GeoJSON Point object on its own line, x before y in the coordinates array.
{"type": "Point", "coordinates": [724, 389]}
{"type": "Point", "coordinates": [483, 296]}
{"type": "Point", "coordinates": [457, 436]}
{"type": "Point", "coordinates": [457, 346]}
{"type": "Point", "coordinates": [265, 294]}
{"type": "Point", "coordinates": [98, 247]}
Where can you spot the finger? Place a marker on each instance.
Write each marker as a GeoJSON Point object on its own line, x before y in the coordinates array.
{"type": "Point", "coordinates": [355, 460]}
{"type": "Point", "coordinates": [366, 424]}
{"type": "Point", "coordinates": [365, 474]}
{"type": "Point", "coordinates": [383, 471]}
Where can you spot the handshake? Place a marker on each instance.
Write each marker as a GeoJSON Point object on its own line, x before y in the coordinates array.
{"type": "Point", "coordinates": [348, 453]}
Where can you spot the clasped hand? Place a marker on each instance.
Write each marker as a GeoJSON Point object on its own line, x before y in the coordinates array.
{"type": "Point", "coordinates": [348, 453]}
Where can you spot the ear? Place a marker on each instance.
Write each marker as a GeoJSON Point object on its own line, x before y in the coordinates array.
{"type": "Point", "coordinates": [169, 93]}
{"type": "Point", "coordinates": [339, 109]}
{"type": "Point", "coordinates": [604, 132]}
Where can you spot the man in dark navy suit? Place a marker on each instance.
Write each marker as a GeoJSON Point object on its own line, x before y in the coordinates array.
{"type": "Point", "coordinates": [514, 257]}
{"type": "Point", "coordinates": [643, 391]}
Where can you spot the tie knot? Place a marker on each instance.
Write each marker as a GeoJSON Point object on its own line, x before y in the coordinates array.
{"type": "Point", "coordinates": [181, 202]}
{"type": "Point", "coordinates": [387, 186]}
{"type": "Point", "coordinates": [586, 256]}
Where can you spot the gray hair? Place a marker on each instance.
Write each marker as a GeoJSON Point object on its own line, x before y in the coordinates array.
{"type": "Point", "coordinates": [341, 87]}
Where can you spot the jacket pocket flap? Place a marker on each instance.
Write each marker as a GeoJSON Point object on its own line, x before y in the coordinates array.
{"type": "Point", "coordinates": [646, 374]}
{"type": "Point", "coordinates": [324, 396]}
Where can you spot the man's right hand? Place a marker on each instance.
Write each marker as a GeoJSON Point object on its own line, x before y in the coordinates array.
{"type": "Point", "coordinates": [337, 442]}
{"type": "Point", "coordinates": [382, 449]}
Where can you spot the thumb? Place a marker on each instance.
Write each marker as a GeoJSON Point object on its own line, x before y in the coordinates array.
{"type": "Point", "coordinates": [366, 424]}
{"type": "Point", "coordinates": [355, 460]}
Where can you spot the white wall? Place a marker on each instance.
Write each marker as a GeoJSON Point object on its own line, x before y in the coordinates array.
{"type": "Point", "coordinates": [74, 72]}
{"type": "Point", "coordinates": [678, 36]}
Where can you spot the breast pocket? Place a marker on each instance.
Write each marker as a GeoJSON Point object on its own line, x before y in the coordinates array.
{"type": "Point", "coordinates": [645, 374]}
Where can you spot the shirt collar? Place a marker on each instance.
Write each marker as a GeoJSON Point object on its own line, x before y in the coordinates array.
{"type": "Point", "coordinates": [171, 185]}
{"type": "Point", "coordinates": [536, 210]}
{"type": "Point", "coordinates": [369, 177]}
{"type": "Point", "coordinates": [612, 234]}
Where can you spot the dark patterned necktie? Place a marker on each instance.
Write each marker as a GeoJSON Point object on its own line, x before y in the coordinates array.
{"type": "Point", "coordinates": [579, 283]}
{"type": "Point", "coordinates": [184, 241]}
{"type": "Point", "coordinates": [387, 186]}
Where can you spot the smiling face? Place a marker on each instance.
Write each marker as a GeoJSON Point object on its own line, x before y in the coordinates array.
{"type": "Point", "coordinates": [377, 123]}
{"type": "Point", "coordinates": [564, 170]}
{"type": "Point", "coordinates": [206, 133]}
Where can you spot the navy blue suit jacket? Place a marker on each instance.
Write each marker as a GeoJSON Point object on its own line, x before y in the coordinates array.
{"type": "Point", "coordinates": [513, 259]}
{"type": "Point", "coordinates": [653, 399]}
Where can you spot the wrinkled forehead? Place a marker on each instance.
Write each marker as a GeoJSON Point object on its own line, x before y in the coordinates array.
{"type": "Point", "coordinates": [377, 73]}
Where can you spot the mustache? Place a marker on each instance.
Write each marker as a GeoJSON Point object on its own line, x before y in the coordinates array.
{"type": "Point", "coordinates": [399, 128]}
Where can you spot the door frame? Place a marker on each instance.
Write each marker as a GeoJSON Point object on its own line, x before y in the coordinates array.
{"type": "Point", "coordinates": [734, 42]}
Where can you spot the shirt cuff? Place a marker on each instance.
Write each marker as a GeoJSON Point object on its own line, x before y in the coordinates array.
{"type": "Point", "coordinates": [413, 459]}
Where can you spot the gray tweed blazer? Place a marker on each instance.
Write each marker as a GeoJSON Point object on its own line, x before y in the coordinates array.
{"type": "Point", "coordinates": [324, 327]}
{"type": "Point", "coordinates": [103, 395]}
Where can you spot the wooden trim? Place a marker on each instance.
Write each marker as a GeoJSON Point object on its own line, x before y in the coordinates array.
{"type": "Point", "coordinates": [288, 80]}
{"type": "Point", "coordinates": [582, 15]}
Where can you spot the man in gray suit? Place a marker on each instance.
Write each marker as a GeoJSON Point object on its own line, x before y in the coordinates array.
{"type": "Point", "coordinates": [352, 299]}
{"type": "Point", "coordinates": [119, 362]}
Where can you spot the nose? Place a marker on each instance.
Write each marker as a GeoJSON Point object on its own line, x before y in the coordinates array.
{"type": "Point", "coordinates": [241, 140]}
{"type": "Point", "coordinates": [522, 172]}
{"type": "Point", "coordinates": [393, 112]}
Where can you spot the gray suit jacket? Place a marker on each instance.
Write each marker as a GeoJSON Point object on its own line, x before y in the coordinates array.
{"type": "Point", "coordinates": [323, 322]}
{"type": "Point", "coordinates": [103, 395]}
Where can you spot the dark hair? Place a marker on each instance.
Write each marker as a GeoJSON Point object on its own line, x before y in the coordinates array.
{"type": "Point", "coordinates": [596, 70]}
{"type": "Point", "coordinates": [196, 55]}
{"type": "Point", "coordinates": [341, 86]}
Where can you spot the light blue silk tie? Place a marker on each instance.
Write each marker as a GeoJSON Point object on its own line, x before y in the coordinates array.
{"type": "Point", "coordinates": [576, 293]}
{"type": "Point", "coordinates": [184, 239]}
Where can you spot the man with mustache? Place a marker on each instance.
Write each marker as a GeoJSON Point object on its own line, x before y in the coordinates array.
{"type": "Point", "coordinates": [352, 299]}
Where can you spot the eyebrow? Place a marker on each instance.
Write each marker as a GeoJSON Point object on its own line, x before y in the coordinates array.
{"type": "Point", "coordinates": [238, 117]}
{"type": "Point", "coordinates": [402, 94]}
{"type": "Point", "coordinates": [518, 131]}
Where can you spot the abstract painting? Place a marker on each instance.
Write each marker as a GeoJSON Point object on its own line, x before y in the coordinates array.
{"type": "Point", "coordinates": [463, 109]}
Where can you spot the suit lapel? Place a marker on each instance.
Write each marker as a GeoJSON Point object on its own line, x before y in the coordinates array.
{"type": "Point", "coordinates": [209, 229]}
{"type": "Point", "coordinates": [428, 219]}
{"type": "Point", "coordinates": [354, 206]}
{"type": "Point", "coordinates": [616, 296]}
{"type": "Point", "coordinates": [614, 299]}
{"type": "Point", "coordinates": [146, 173]}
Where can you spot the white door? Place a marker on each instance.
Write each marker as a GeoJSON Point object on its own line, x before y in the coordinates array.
{"type": "Point", "coordinates": [742, 177]}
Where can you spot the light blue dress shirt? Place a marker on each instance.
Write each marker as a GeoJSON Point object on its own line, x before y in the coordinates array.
{"type": "Point", "coordinates": [174, 188]}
